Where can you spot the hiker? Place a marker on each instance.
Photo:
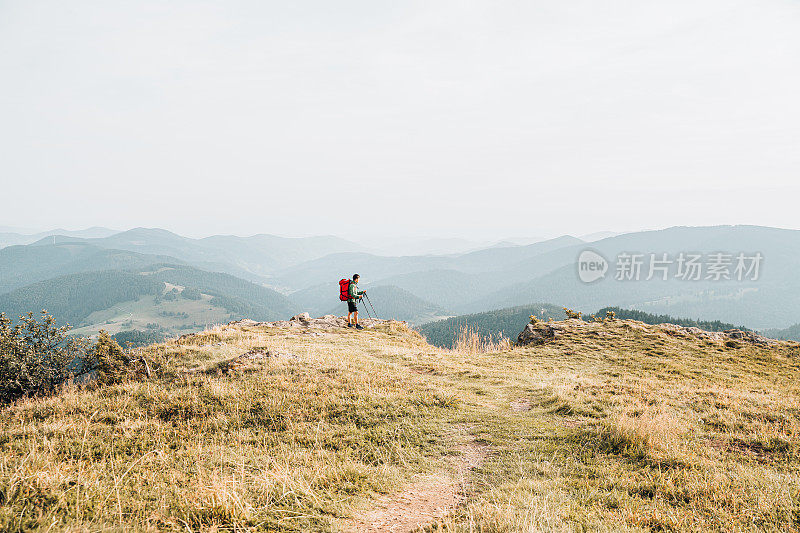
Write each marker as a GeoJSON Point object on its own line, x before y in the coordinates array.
{"type": "Point", "coordinates": [352, 310]}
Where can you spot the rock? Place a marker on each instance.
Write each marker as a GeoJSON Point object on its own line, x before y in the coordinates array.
{"type": "Point", "coordinates": [304, 321]}
{"type": "Point", "coordinates": [736, 334]}
{"type": "Point", "coordinates": [537, 334]}
{"type": "Point", "coordinates": [749, 337]}
{"type": "Point", "coordinates": [260, 353]}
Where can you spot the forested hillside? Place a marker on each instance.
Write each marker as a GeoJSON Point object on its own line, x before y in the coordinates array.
{"type": "Point", "coordinates": [72, 298]}
{"type": "Point", "coordinates": [237, 295]}
{"type": "Point", "coordinates": [113, 298]}
{"type": "Point", "coordinates": [791, 333]}
{"type": "Point", "coordinates": [23, 265]}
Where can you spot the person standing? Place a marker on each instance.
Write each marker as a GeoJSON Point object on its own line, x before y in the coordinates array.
{"type": "Point", "coordinates": [352, 308]}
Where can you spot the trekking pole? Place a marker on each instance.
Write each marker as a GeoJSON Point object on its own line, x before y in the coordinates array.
{"type": "Point", "coordinates": [370, 304]}
{"type": "Point", "coordinates": [366, 309]}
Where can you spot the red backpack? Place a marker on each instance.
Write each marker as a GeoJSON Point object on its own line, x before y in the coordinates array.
{"type": "Point", "coordinates": [344, 289]}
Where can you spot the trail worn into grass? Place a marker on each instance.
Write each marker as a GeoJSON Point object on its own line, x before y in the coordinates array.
{"type": "Point", "coordinates": [427, 499]}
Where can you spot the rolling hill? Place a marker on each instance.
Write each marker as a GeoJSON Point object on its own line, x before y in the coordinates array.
{"type": "Point", "coordinates": [154, 295]}
{"type": "Point", "coordinates": [385, 268]}
{"type": "Point", "coordinates": [74, 297]}
{"type": "Point", "coordinates": [237, 295]}
{"type": "Point", "coordinates": [771, 301]}
{"type": "Point", "coordinates": [494, 278]}
{"type": "Point", "coordinates": [23, 265]}
{"type": "Point", "coordinates": [8, 237]}
{"type": "Point", "coordinates": [253, 257]}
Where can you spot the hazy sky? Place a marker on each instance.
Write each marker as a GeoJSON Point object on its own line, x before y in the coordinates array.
{"type": "Point", "coordinates": [482, 119]}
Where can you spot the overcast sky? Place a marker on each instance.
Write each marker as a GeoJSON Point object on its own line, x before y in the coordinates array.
{"type": "Point", "coordinates": [472, 119]}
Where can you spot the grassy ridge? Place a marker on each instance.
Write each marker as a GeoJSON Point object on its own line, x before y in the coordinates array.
{"type": "Point", "coordinates": [614, 426]}
{"type": "Point", "coordinates": [285, 445]}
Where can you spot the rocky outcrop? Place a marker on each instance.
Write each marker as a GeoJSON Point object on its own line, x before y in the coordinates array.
{"type": "Point", "coordinates": [749, 337]}
{"type": "Point", "coordinates": [302, 317]}
{"type": "Point", "coordinates": [538, 333]}
{"type": "Point", "coordinates": [542, 332]}
{"type": "Point", "coordinates": [745, 337]}
{"type": "Point", "coordinates": [304, 320]}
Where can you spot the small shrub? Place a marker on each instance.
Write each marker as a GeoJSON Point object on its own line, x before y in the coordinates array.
{"type": "Point", "coordinates": [36, 356]}
{"type": "Point", "coordinates": [572, 314]}
{"type": "Point", "coordinates": [108, 360]}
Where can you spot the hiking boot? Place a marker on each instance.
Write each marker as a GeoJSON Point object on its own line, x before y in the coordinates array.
{"type": "Point", "coordinates": [359, 326]}
{"type": "Point", "coordinates": [349, 325]}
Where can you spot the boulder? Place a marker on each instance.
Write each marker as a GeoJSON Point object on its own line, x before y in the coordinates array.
{"type": "Point", "coordinates": [537, 334]}
{"type": "Point", "coordinates": [302, 317]}
{"type": "Point", "coordinates": [749, 337]}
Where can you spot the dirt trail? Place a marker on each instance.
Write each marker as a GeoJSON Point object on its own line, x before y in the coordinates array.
{"type": "Point", "coordinates": [428, 498]}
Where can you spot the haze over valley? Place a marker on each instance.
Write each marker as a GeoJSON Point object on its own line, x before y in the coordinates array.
{"type": "Point", "coordinates": [156, 281]}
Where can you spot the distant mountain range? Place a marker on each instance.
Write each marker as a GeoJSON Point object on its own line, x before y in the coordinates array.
{"type": "Point", "coordinates": [254, 257]}
{"type": "Point", "coordinates": [23, 265]}
{"type": "Point", "coordinates": [278, 275]}
{"type": "Point", "coordinates": [773, 300]}
{"type": "Point", "coordinates": [12, 236]}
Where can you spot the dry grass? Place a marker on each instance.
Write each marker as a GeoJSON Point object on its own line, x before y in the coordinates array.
{"type": "Point", "coordinates": [625, 427]}
{"type": "Point", "coordinates": [470, 341]}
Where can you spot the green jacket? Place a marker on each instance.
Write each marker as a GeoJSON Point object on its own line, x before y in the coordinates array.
{"type": "Point", "coordinates": [354, 293]}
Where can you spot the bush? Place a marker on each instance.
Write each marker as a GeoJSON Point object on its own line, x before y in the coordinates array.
{"type": "Point", "coordinates": [107, 359]}
{"type": "Point", "coordinates": [36, 356]}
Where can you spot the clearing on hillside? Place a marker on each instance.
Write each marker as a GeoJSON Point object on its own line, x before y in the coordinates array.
{"type": "Point", "coordinates": [305, 425]}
